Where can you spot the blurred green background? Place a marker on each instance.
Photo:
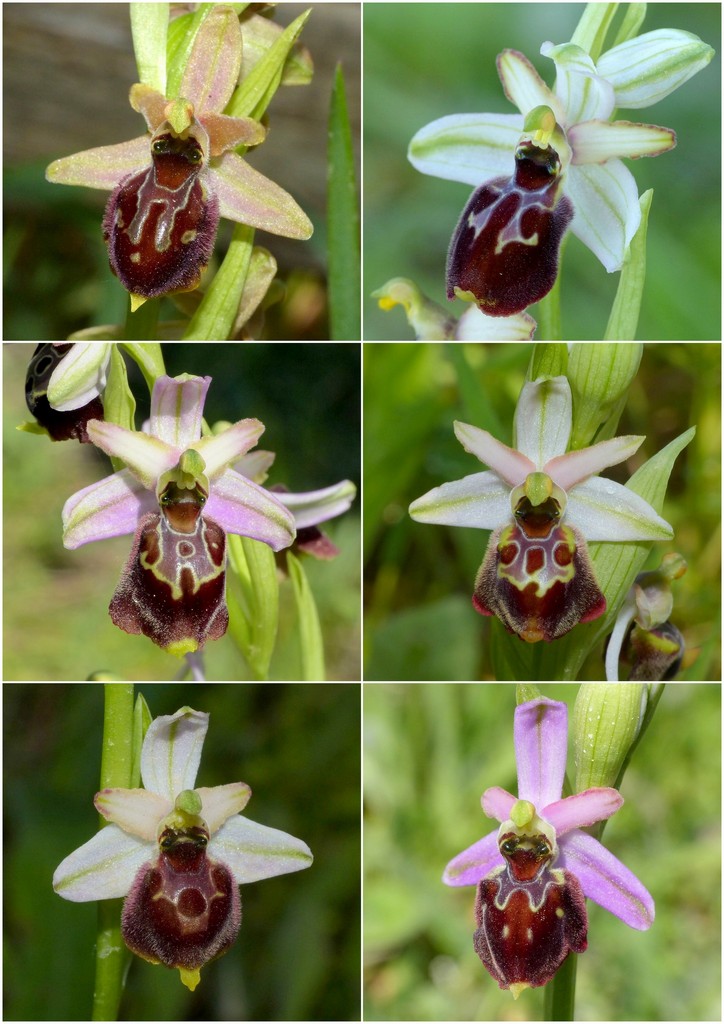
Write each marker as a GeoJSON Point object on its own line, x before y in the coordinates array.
{"type": "Point", "coordinates": [297, 956]}
{"type": "Point", "coordinates": [430, 752]}
{"type": "Point", "coordinates": [424, 61]}
{"type": "Point", "coordinates": [419, 620]}
{"type": "Point", "coordinates": [56, 601]}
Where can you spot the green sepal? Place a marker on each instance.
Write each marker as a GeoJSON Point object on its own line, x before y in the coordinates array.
{"type": "Point", "coordinates": [343, 243]}
{"type": "Point", "coordinates": [600, 376]}
{"type": "Point", "coordinates": [255, 92]}
{"type": "Point", "coordinates": [252, 598]}
{"type": "Point", "coordinates": [310, 632]}
{"type": "Point", "coordinates": [624, 317]}
{"type": "Point", "coordinates": [214, 318]}
{"type": "Point", "coordinates": [149, 28]}
{"type": "Point", "coordinates": [142, 719]}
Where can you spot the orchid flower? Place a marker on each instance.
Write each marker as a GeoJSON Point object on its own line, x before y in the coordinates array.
{"type": "Point", "coordinates": [535, 871]}
{"type": "Point", "coordinates": [169, 188]}
{"type": "Point", "coordinates": [63, 387]}
{"type": "Point", "coordinates": [177, 853]}
{"type": "Point", "coordinates": [542, 504]}
{"type": "Point", "coordinates": [431, 322]}
{"type": "Point", "coordinates": [565, 153]}
{"type": "Point", "coordinates": [655, 645]}
{"type": "Point", "coordinates": [172, 588]}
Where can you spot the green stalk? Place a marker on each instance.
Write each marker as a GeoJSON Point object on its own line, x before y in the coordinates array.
{"type": "Point", "coordinates": [560, 994]}
{"type": "Point", "coordinates": [549, 313]}
{"type": "Point", "coordinates": [142, 325]}
{"type": "Point", "coordinates": [116, 767]}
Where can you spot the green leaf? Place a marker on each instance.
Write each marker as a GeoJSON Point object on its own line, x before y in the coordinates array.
{"type": "Point", "coordinates": [310, 632]}
{"type": "Point", "coordinates": [624, 318]}
{"type": "Point", "coordinates": [256, 90]}
{"type": "Point", "coordinates": [119, 405]}
{"type": "Point", "coordinates": [149, 359]}
{"type": "Point", "coordinates": [214, 318]}
{"type": "Point", "coordinates": [253, 601]}
{"type": "Point", "coordinates": [632, 22]}
{"type": "Point", "coordinates": [549, 359]}
{"type": "Point", "coordinates": [149, 27]}
{"type": "Point", "coordinates": [342, 222]}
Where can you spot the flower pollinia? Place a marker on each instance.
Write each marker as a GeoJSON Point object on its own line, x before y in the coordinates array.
{"type": "Point", "coordinates": [564, 154]}
{"type": "Point", "coordinates": [171, 186]}
{"type": "Point", "coordinates": [179, 498]}
{"type": "Point", "coordinates": [63, 386]}
{"type": "Point", "coordinates": [542, 504]}
{"type": "Point", "coordinates": [177, 853]}
{"type": "Point", "coordinates": [534, 873]}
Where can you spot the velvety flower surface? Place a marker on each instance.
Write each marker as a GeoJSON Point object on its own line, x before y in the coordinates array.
{"type": "Point", "coordinates": [177, 853]}
{"type": "Point", "coordinates": [533, 872]}
{"type": "Point", "coordinates": [542, 504]}
{"type": "Point", "coordinates": [170, 186]}
{"type": "Point", "coordinates": [474, 148]}
{"type": "Point", "coordinates": [179, 497]}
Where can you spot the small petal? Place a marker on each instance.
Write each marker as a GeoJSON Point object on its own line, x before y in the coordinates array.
{"type": "Point", "coordinates": [239, 506]}
{"type": "Point", "coordinates": [543, 419]}
{"type": "Point", "coordinates": [312, 507]}
{"type": "Point", "coordinates": [605, 510]}
{"type": "Point", "coordinates": [147, 457]}
{"type": "Point", "coordinates": [103, 868]}
{"type": "Point", "coordinates": [79, 377]}
{"type": "Point", "coordinates": [595, 142]}
{"type": "Point", "coordinates": [172, 752]}
{"type": "Point", "coordinates": [212, 69]}
{"type": "Point", "coordinates": [606, 880]}
{"type": "Point", "coordinates": [467, 147]}
{"type": "Point", "coordinates": [583, 809]}
{"type": "Point", "coordinates": [110, 508]}
{"type": "Point", "coordinates": [473, 864]}
{"type": "Point", "coordinates": [252, 851]}
{"type": "Point", "coordinates": [149, 102]}
{"type": "Point", "coordinates": [523, 85]}
{"type": "Point", "coordinates": [177, 407]}
{"type": "Point", "coordinates": [137, 811]}
{"type": "Point", "coordinates": [648, 67]}
{"type": "Point", "coordinates": [220, 802]}
{"type": "Point", "coordinates": [229, 132]}
{"type": "Point", "coordinates": [479, 500]}
{"type": "Point", "coordinates": [102, 167]}
{"type": "Point", "coordinates": [255, 466]}
{"type": "Point", "coordinates": [497, 803]}
{"type": "Point", "coordinates": [606, 209]}
{"type": "Point", "coordinates": [218, 450]}
{"type": "Point", "coordinates": [541, 734]}
{"type": "Point", "coordinates": [510, 465]}
{"type": "Point", "coordinates": [574, 467]}
{"type": "Point", "coordinates": [248, 197]}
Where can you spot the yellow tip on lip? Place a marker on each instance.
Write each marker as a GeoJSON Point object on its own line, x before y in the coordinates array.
{"type": "Point", "coordinates": [191, 978]}
{"type": "Point", "coordinates": [136, 301]}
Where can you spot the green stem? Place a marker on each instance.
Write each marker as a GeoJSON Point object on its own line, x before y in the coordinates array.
{"type": "Point", "coordinates": [142, 325]}
{"type": "Point", "coordinates": [560, 994]}
{"type": "Point", "coordinates": [116, 767]}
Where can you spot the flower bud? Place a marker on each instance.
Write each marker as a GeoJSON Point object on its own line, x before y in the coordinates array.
{"type": "Point", "coordinates": [600, 376]}
{"type": "Point", "coordinates": [606, 721]}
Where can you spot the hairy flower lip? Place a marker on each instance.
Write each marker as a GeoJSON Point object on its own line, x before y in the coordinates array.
{"type": "Point", "coordinates": [474, 148]}
{"type": "Point", "coordinates": [540, 730]}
